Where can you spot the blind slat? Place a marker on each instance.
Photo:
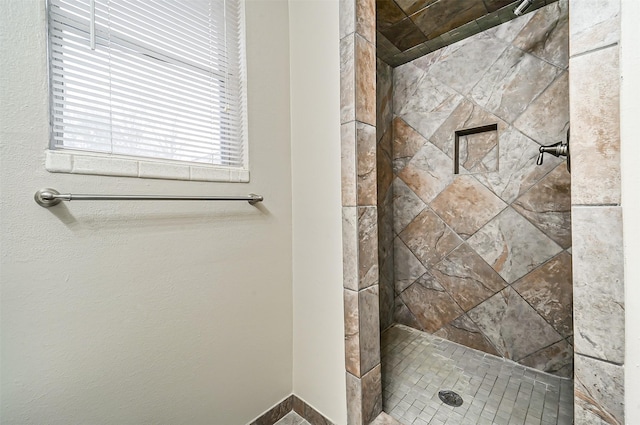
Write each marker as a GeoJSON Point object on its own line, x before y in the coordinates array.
{"type": "Point", "coordinates": [165, 80]}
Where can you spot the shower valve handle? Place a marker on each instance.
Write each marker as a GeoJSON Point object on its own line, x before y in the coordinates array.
{"type": "Point", "coordinates": [556, 149]}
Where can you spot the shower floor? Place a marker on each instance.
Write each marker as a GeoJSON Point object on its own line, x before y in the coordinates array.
{"type": "Point", "coordinates": [417, 365]}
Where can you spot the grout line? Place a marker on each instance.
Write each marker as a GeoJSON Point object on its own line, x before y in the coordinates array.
{"type": "Point", "coordinates": [577, 55]}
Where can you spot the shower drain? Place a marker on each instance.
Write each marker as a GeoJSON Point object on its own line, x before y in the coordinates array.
{"type": "Point", "coordinates": [450, 398]}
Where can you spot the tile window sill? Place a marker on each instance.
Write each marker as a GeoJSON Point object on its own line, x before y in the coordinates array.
{"type": "Point", "coordinates": [107, 165]}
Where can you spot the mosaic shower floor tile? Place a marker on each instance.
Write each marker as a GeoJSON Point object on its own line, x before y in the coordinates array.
{"type": "Point", "coordinates": [416, 366]}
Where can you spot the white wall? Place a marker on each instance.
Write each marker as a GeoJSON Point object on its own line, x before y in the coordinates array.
{"type": "Point", "coordinates": [318, 368]}
{"type": "Point", "coordinates": [130, 313]}
{"type": "Point", "coordinates": [630, 153]}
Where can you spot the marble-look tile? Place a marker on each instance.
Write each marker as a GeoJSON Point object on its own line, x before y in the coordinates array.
{"type": "Point", "coordinates": [466, 115]}
{"type": "Point", "coordinates": [478, 153]}
{"type": "Point", "coordinates": [384, 97]}
{"type": "Point", "coordinates": [367, 247]}
{"type": "Point", "coordinates": [494, 5]}
{"type": "Point", "coordinates": [598, 282]}
{"type": "Point", "coordinates": [445, 15]}
{"type": "Point", "coordinates": [429, 238]}
{"type": "Point", "coordinates": [425, 62]}
{"type": "Point", "coordinates": [512, 83]}
{"type": "Point", "coordinates": [365, 80]}
{"type": "Point", "coordinates": [432, 306]}
{"type": "Point", "coordinates": [412, 6]}
{"type": "Point", "coordinates": [549, 290]}
{"type": "Point", "coordinates": [512, 325]}
{"type": "Point", "coordinates": [599, 392]}
{"type": "Point", "coordinates": [406, 205]}
{"type": "Point", "coordinates": [546, 120]}
{"type": "Point", "coordinates": [290, 418]}
{"type": "Point", "coordinates": [430, 105]}
{"type": "Point", "coordinates": [546, 35]}
{"type": "Point", "coordinates": [371, 394]}
{"type": "Point", "coordinates": [354, 400]}
{"type": "Point", "coordinates": [384, 168]}
{"type": "Point", "coordinates": [548, 205]}
{"type": "Point", "coordinates": [348, 163]}
{"type": "Point", "coordinates": [461, 65]}
{"type": "Point", "coordinates": [556, 359]}
{"type": "Point", "coordinates": [276, 413]}
{"type": "Point", "coordinates": [467, 278]}
{"type": "Point", "coordinates": [347, 79]}
{"type": "Point", "coordinates": [595, 128]}
{"type": "Point", "coordinates": [387, 298]}
{"type": "Point", "coordinates": [508, 31]}
{"type": "Point", "coordinates": [347, 24]}
{"type": "Point", "coordinates": [406, 79]}
{"type": "Point", "coordinates": [404, 34]}
{"type": "Point", "coordinates": [466, 205]}
{"type": "Point", "coordinates": [593, 24]}
{"type": "Point", "coordinates": [368, 308]}
{"type": "Point", "coordinates": [366, 19]}
{"type": "Point", "coordinates": [351, 332]}
{"type": "Point", "coordinates": [428, 173]}
{"type": "Point", "coordinates": [388, 13]}
{"type": "Point", "coordinates": [384, 48]}
{"type": "Point", "coordinates": [512, 245]}
{"type": "Point", "coordinates": [406, 143]}
{"type": "Point", "coordinates": [350, 248]}
{"type": "Point", "coordinates": [517, 169]}
{"type": "Point", "coordinates": [407, 268]}
{"type": "Point", "coordinates": [465, 332]}
{"type": "Point", "coordinates": [402, 315]}
{"type": "Point", "coordinates": [366, 164]}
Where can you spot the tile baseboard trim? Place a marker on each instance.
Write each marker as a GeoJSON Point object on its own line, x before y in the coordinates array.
{"type": "Point", "coordinates": [291, 403]}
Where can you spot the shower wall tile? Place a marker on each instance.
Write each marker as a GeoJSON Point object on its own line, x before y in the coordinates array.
{"type": "Point", "coordinates": [384, 97]}
{"type": "Point", "coordinates": [546, 35]}
{"type": "Point", "coordinates": [406, 205]}
{"type": "Point", "coordinates": [547, 205]}
{"type": "Point", "coordinates": [513, 82]}
{"type": "Point", "coordinates": [432, 306]}
{"type": "Point", "coordinates": [595, 133]}
{"type": "Point", "coordinates": [354, 400]}
{"type": "Point", "coordinates": [445, 15]}
{"type": "Point", "coordinates": [598, 282]}
{"type": "Point", "coordinates": [365, 81]}
{"type": "Point", "coordinates": [405, 34]}
{"type": "Point", "coordinates": [348, 163]}
{"type": "Point", "coordinates": [350, 248]}
{"type": "Point", "coordinates": [366, 164]}
{"type": "Point", "coordinates": [429, 238]}
{"type": "Point", "coordinates": [428, 173]}
{"type": "Point", "coordinates": [402, 315]}
{"type": "Point", "coordinates": [546, 119]}
{"type": "Point", "coordinates": [517, 169]}
{"type": "Point", "coordinates": [461, 65]}
{"type": "Point", "coordinates": [347, 78]}
{"type": "Point", "coordinates": [464, 331]}
{"type": "Point", "coordinates": [347, 23]}
{"type": "Point", "coordinates": [366, 19]}
{"type": "Point", "coordinates": [463, 195]}
{"type": "Point", "coordinates": [496, 316]}
{"type": "Point", "coordinates": [367, 247]}
{"type": "Point", "coordinates": [512, 245]}
{"type": "Point", "coordinates": [556, 359]}
{"type": "Point", "coordinates": [407, 267]}
{"type": "Point", "coordinates": [384, 170]}
{"type": "Point", "coordinates": [599, 392]}
{"type": "Point", "coordinates": [351, 332]}
{"type": "Point", "coordinates": [372, 394]}
{"type": "Point", "coordinates": [388, 13]}
{"type": "Point", "coordinates": [467, 277]}
{"type": "Point", "coordinates": [406, 143]}
{"type": "Point", "coordinates": [593, 25]}
{"type": "Point", "coordinates": [549, 290]}
{"type": "Point", "coordinates": [368, 312]}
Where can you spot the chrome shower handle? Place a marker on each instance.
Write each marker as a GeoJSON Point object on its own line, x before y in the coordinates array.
{"type": "Point", "coordinates": [556, 149]}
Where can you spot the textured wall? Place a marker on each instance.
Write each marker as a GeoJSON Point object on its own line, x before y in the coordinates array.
{"type": "Point", "coordinates": [153, 312]}
{"type": "Point", "coordinates": [483, 258]}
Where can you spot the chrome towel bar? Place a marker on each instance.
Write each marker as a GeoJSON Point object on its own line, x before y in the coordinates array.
{"type": "Point", "coordinates": [50, 197]}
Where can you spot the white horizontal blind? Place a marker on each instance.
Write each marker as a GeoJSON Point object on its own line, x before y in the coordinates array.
{"type": "Point", "coordinates": [165, 80]}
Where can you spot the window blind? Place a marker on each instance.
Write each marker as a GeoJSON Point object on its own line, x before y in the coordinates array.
{"type": "Point", "coordinates": [149, 78]}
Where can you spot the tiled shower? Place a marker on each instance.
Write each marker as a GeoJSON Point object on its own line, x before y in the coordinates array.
{"type": "Point", "coordinates": [481, 257]}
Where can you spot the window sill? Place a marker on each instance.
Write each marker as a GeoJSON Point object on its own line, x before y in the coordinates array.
{"type": "Point", "coordinates": [107, 165]}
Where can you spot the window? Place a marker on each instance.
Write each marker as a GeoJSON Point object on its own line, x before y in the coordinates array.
{"type": "Point", "coordinates": [144, 81]}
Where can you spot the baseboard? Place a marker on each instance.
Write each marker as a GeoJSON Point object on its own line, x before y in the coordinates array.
{"type": "Point", "coordinates": [296, 404]}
